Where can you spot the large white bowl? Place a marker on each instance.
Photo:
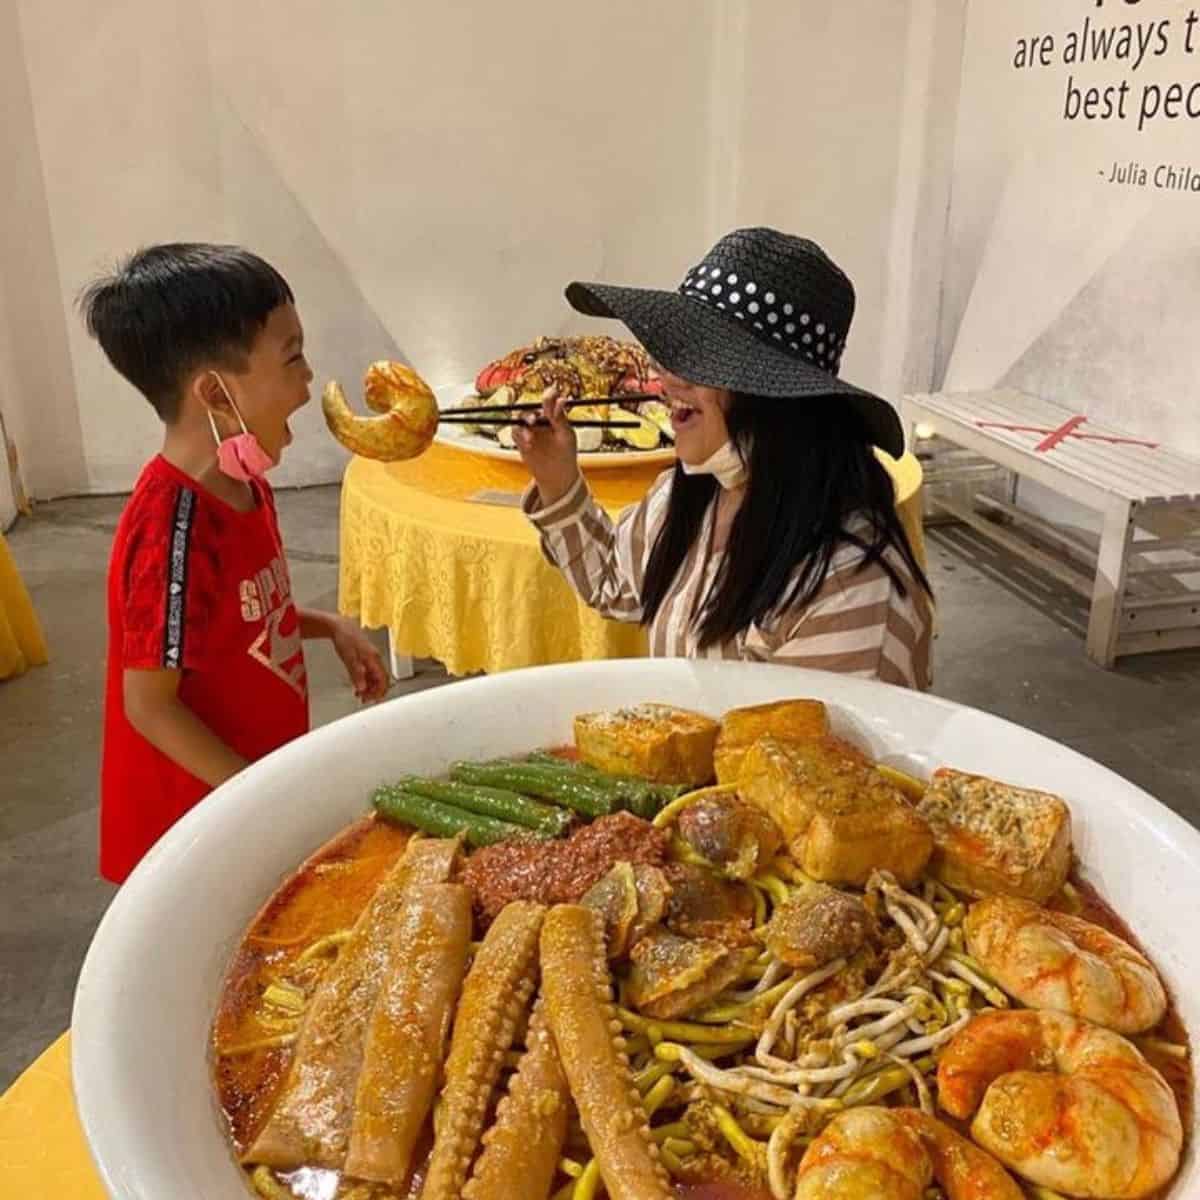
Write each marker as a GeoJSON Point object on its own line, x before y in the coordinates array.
{"type": "Point", "coordinates": [148, 989]}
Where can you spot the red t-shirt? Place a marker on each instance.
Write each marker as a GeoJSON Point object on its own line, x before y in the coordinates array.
{"type": "Point", "coordinates": [195, 585]}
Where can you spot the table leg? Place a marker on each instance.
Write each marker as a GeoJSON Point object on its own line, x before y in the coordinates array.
{"type": "Point", "coordinates": [908, 420]}
{"type": "Point", "coordinates": [401, 665]}
{"type": "Point", "coordinates": [1109, 591]}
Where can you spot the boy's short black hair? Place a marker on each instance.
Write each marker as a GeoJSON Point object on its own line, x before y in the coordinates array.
{"type": "Point", "coordinates": [169, 309]}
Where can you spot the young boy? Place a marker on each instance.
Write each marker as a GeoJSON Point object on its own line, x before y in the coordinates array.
{"type": "Point", "coordinates": [205, 662]}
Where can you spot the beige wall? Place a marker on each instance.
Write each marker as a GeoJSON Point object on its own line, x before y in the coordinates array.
{"type": "Point", "coordinates": [1059, 282]}
{"type": "Point", "coordinates": [846, 130]}
{"type": "Point", "coordinates": [429, 177]}
{"type": "Point", "coordinates": [37, 392]}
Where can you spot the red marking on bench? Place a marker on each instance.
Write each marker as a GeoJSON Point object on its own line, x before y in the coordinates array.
{"type": "Point", "coordinates": [1065, 430]}
{"type": "Point", "coordinates": [1060, 434]}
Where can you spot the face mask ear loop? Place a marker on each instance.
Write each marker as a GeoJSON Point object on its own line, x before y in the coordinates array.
{"type": "Point", "coordinates": [213, 426]}
{"type": "Point", "coordinates": [232, 404]}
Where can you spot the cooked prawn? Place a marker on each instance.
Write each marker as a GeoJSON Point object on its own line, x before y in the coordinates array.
{"type": "Point", "coordinates": [1052, 960]}
{"type": "Point", "coordinates": [1065, 1104]}
{"type": "Point", "coordinates": [896, 1154]}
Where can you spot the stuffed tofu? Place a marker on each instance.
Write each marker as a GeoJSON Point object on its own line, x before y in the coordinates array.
{"type": "Point", "coordinates": [785, 720]}
{"type": "Point", "coordinates": [654, 741]}
{"type": "Point", "coordinates": [841, 820]}
{"type": "Point", "coordinates": [996, 839]}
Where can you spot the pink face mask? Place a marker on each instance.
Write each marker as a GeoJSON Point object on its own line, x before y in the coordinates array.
{"type": "Point", "coordinates": [242, 456]}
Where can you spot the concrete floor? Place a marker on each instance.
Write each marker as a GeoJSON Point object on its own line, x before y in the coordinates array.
{"type": "Point", "coordinates": [1009, 643]}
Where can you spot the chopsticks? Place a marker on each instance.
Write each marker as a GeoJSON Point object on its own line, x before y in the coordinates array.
{"type": "Point", "coordinates": [504, 421]}
{"type": "Point", "coordinates": [588, 402]}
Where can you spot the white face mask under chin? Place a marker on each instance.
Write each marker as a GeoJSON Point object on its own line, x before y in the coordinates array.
{"type": "Point", "coordinates": [725, 465]}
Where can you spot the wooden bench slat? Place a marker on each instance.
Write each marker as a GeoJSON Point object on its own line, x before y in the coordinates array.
{"type": "Point", "coordinates": [1159, 472]}
{"type": "Point", "coordinates": [1077, 581]}
{"type": "Point", "coordinates": [1014, 458]}
{"type": "Point", "coordinates": [1135, 472]}
{"type": "Point", "coordinates": [1117, 472]}
{"type": "Point", "coordinates": [1157, 642]}
{"type": "Point", "coordinates": [1151, 468]}
{"type": "Point", "coordinates": [1026, 461]}
{"type": "Point", "coordinates": [1030, 410]}
{"type": "Point", "coordinates": [1156, 545]}
{"type": "Point", "coordinates": [1181, 598]}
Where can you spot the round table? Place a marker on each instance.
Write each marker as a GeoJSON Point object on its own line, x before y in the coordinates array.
{"type": "Point", "coordinates": [463, 581]}
{"type": "Point", "coordinates": [42, 1152]}
{"type": "Point", "coordinates": [21, 643]}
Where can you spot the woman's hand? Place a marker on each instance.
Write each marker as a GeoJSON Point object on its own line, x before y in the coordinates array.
{"type": "Point", "coordinates": [550, 451]}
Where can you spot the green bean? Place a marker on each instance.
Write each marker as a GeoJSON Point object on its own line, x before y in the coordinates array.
{"type": "Point", "coordinates": [660, 793]}
{"type": "Point", "coordinates": [492, 802]}
{"type": "Point", "coordinates": [546, 783]}
{"type": "Point", "coordinates": [635, 795]}
{"type": "Point", "coordinates": [443, 820]}
{"type": "Point", "coordinates": [544, 758]}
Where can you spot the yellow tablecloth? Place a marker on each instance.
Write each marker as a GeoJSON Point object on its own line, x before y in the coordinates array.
{"type": "Point", "coordinates": [21, 643]}
{"type": "Point", "coordinates": [465, 583]}
{"type": "Point", "coordinates": [42, 1152]}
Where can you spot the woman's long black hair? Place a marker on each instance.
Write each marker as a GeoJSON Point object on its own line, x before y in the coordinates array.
{"type": "Point", "coordinates": [811, 471]}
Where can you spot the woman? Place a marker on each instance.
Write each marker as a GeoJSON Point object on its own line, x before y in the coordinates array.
{"type": "Point", "coordinates": [775, 538]}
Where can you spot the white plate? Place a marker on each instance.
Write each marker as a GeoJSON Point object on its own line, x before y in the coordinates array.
{"type": "Point", "coordinates": [149, 987]}
{"type": "Point", "coordinates": [452, 395]}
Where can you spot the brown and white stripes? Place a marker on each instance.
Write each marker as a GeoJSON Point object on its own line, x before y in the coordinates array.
{"type": "Point", "coordinates": [858, 624]}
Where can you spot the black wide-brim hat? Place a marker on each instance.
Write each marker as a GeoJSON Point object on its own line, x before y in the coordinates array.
{"type": "Point", "coordinates": [764, 313]}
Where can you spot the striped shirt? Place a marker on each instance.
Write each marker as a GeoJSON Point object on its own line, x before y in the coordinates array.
{"type": "Point", "coordinates": [857, 624]}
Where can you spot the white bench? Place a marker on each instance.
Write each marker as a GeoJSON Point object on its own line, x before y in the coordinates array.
{"type": "Point", "coordinates": [1142, 576]}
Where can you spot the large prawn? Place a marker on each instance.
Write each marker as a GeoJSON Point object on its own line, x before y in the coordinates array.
{"type": "Point", "coordinates": [896, 1154]}
{"type": "Point", "coordinates": [1051, 960]}
{"type": "Point", "coordinates": [1065, 1104]}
